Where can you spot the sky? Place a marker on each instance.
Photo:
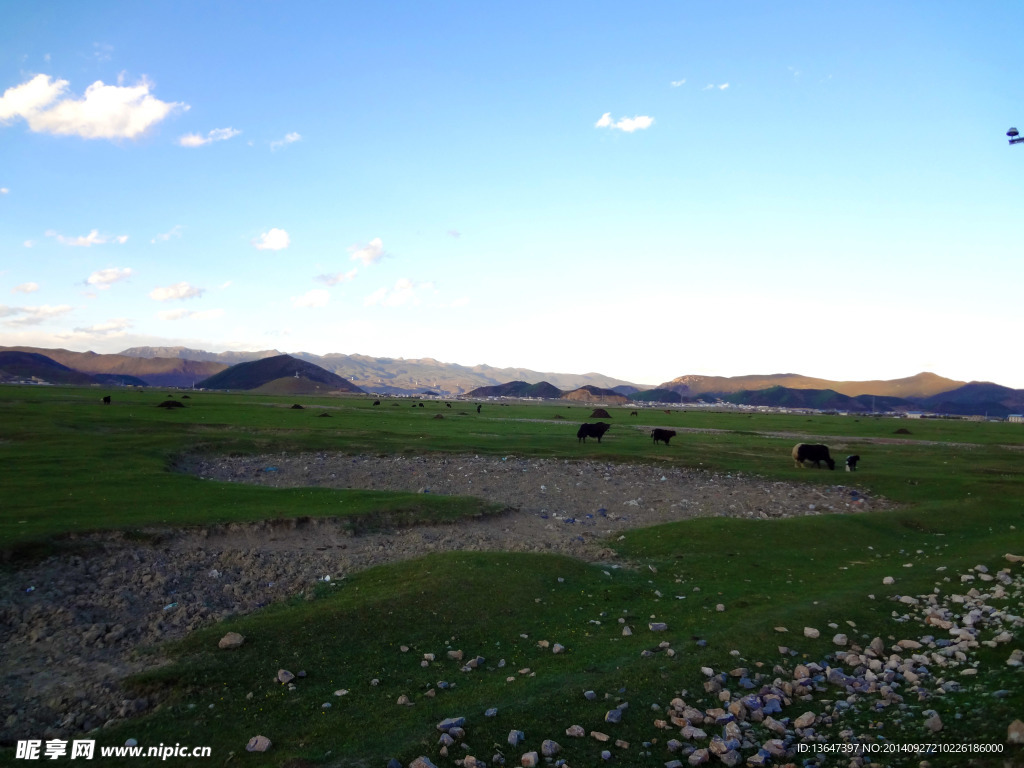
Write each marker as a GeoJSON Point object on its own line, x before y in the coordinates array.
{"type": "Point", "coordinates": [643, 190]}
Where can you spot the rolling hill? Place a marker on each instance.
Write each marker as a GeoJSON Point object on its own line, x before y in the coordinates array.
{"type": "Point", "coordinates": [518, 389]}
{"type": "Point", "coordinates": [126, 369]}
{"type": "Point", "coordinates": [272, 374]}
{"type": "Point", "coordinates": [921, 385]}
{"type": "Point", "coordinates": [32, 366]}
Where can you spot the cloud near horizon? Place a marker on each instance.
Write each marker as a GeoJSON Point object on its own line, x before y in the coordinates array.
{"type": "Point", "coordinates": [217, 134]}
{"type": "Point", "coordinates": [190, 314]}
{"type": "Point", "coordinates": [32, 315]}
{"type": "Point", "coordinates": [318, 297]}
{"type": "Point", "coordinates": [109, 328]}
{"type": "Point", "coordinates": [625, 124]}
{"type": "Point", "coordinates": [272, 240]}
{"type": "Point", "coordinates": [25, 288]}
{"type": "Point", "coordinates": [104, 278]}
{"type": "Point", "coordinates": [180, 290]}
{"type": "Point", "coordinates": [84, 241]}
{"type": "Point", "coordinates": [105, 111]}
{"type": "Point", "coordinates": [404, 292]}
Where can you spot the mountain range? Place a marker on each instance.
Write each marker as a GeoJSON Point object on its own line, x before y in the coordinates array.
{"type": "Point", "coordinates": [302, 373]}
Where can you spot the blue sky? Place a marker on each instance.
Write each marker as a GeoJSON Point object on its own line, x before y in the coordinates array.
{"type": "Point", "coordinates": [650, 191]}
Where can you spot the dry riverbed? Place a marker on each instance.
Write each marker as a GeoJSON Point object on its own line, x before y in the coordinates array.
{"type": "Point", "coordinates": [73, 626]}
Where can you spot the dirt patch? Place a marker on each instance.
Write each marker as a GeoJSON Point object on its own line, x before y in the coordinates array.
{"type": "Point", "coordinates": [73, 626]}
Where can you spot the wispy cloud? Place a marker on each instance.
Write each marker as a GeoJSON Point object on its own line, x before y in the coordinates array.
{"type": "Point", "coordinates": [25, 288]}
{"type": "Point", "coordinates": [198, 140]}
{"type": "Point", "coordinates": [335, 279]}
{"type": "Point", "coordinates": [190, 314]}
{"type": "Point", "coordinates": [4, 190]}
{"type": "Point", "coordinates": [110, 328]}
{"type": "Point", "coordinates": [290, 138]}
{"type": "Point", "coordinates": [85, 241]}
{"type": "Point", "coordinates": [625, 124]}
{"type": "Point", "coordinates": [104, 278]}
{"type": "Point", "coordinates": [104, 112]}
{"type": "Point", "coordinates": [180, 291]}
{"type": "Point", "coordinates": [368, 254]}
{"type": "Point", "coordinates": [677, 83]}
{"type": "Point", "coordinates": [317, 297]}
{"type": "Point", "coordinates": [712, 86]}
{"type": "Point", "coordinates": [404, 292]}
{"type": "Point", "coordinates": [272, 240]}
{"type": "Point", "coordinates": [174, 232]}
{"type": "Point", "coordinates": [32, 315]}
{"type": "Point", "coordinates": [454, 233]}
{"type": "Point", "coordinates": [102, 51]}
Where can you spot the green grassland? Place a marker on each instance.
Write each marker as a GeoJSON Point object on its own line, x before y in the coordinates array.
{"type": "Point", "coordinates": [72, 465]}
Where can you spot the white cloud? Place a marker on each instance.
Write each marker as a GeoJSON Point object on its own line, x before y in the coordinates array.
{"type": "Point", "coordinates": [368, 254]}
{"type": "Point", "coordinates": [25, 288]}
{"type": "Point", "coordinates": [198, 140]}
{"type": "Point", "coordinates": [190, 314]}
{"type": "Point", "coordinates": [677, 83]}
{"type": "Point", "coordinates": [626, 124]}
{"type": "Point", "coordinates": [4, 190]}
{"type": "Point", "coordinates": [105, 112]}
{"type": "Point", "coordinates": [712, 86]}
{"type": "Point", "coordinates": [28, 243]}
{"type": "Point", "coordinates": [104, 278]}
{"type": "Point", "coordinates": [175, 232]}
{"type": "Point", "coordinates": [404, 292]}
{"type": "Point", "coordinates": [84, 241]}
{"type": "Point", "coordinates": [177, 291]}
{"type": "Point", "coordinates": [723, 86]}
{"type": "Point", "coordinates": [32, 315]}
{"type": "Point", "coordinates": [273, 240]}
{"type": "Point", "coordinates": [109, 328]}
{"type": "Point", "coordinates": [318, 297]}
{"type": "Point", "coordinates": [340, 277]}
{"type": "Point", "coordinates": [290, 138]}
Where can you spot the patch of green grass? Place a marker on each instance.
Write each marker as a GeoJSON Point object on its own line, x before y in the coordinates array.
{"type": "Point", "coordinates": [76, 465]}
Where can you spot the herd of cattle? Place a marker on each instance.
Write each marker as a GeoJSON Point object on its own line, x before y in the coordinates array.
{"type": "Point", "coordinates": [802, 452]}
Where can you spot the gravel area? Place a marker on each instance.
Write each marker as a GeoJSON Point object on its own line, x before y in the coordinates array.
{"type": "Point", "coordinates": [73, 626]}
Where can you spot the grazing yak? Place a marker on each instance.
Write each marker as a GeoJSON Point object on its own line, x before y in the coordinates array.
{"type": "Point", "coordinates": [851, 463]}
{"type": "Point", "coordinates": [633, 413]}
{"type": "Point", "coordinates": [664, 435]}
{"type": "Point", "coordinates": [592, 430]}
{"type": "Point", "coordinates": [817, 453]}
{"type": "Point", "coordinates": [106, 399]}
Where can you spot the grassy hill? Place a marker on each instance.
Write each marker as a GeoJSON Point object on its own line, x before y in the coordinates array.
{"type": "Point", "coordinates": [271, 370]}
{"type": "Point", "coordinates": [18, 366]}
{"type": "Point", "coordinates": [518, 389]}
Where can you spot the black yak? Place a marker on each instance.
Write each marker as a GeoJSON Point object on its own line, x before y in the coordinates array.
{"type": "Point", "coordinates": [592, 430]}
{"type": "Point", "coordinates": [817, 453]}
{"type": "Point", "coordinates": [664, 435]}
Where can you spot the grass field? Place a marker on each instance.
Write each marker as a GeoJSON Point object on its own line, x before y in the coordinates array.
{"type": "Point", "coordinates": [72, 465]}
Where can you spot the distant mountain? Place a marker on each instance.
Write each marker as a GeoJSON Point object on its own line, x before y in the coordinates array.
{"type": "Point", "coordinates": [200, 355]}
{"type": "Point", "coordinates": [517, 389]}
{"type": "Point", "coordinates": [978, 398]}
{"type": "Point", "coordinates": [920, 386]}
{"type": "Point", "coordinates": [135, 371]}
{"type": "Point", "coordinates": [32, 366]}
{"type": "Point", "coordinates": [270, 375]}
{"type": "Point", "coordinates": [387, 375]}
{"type": "Point", "coordinates": [656, 396]}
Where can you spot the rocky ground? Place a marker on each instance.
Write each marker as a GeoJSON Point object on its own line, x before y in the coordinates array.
{"type": "Point", "coordinates": [73, 626]}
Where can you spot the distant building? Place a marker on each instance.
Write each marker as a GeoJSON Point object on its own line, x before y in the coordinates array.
{"type": "Point", "coordinates": [1017, 418]}
{"type": "Point", "coordinates": [914, 414]}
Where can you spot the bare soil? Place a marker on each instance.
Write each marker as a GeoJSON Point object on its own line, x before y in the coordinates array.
{"type": "Point", "coordinates": [73, 626]}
